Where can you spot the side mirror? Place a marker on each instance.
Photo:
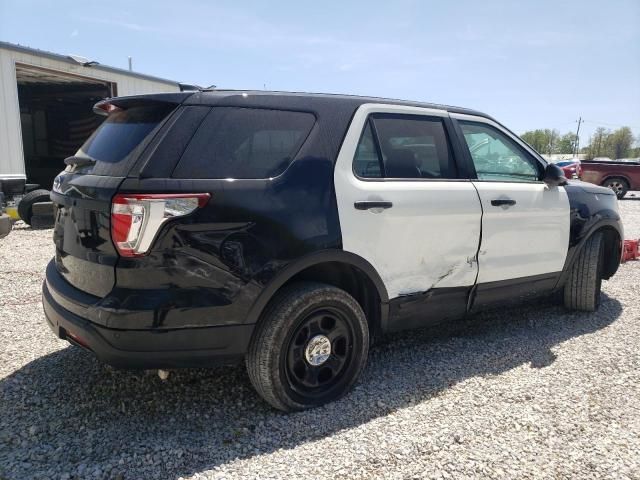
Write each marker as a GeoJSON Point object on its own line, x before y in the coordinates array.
{"type": "Point", "coordinates": [554, 176]}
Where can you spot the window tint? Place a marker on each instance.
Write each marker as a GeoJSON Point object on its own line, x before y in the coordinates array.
{"type": "Point", "coordinates": [112, 144]}
{"type": "Point", "coordinates": [496, 156]}
{"type": "Point", "coordinates": [366, 163]}
{"type": "Point", "coordinates": [244, 143]}
{"type": "Point", "coordinates": [411, 147]}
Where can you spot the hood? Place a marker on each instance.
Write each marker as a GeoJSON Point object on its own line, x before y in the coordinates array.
{"type": "Point", "coordinates": [590, 187]}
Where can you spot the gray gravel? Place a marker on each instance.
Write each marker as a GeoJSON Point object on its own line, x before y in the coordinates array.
{"type": "Point", "coordinates": [530, 392]}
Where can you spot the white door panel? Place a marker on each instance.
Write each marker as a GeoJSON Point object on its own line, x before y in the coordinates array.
{"type": "Point", "coordinates": [525, 223]}
{"type": "Point", "coordinates": [427, 239]}
{"type": "Point", "coordinates": [525, 239]}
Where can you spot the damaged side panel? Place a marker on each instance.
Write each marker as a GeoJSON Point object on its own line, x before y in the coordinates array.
{"type": "Point", "coordinates": [428, 308]}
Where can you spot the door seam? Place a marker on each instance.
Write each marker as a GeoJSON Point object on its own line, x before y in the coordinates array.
{"type": "Point", "coordinates": [472, 292]}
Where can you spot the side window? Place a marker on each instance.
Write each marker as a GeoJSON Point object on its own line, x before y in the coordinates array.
{"type": "Point", "coordinates": [366, 163]}
{"type": "Point", "coordinates": [496, 156]}
{"type": "Point", "coordinates": [244, 143]}
{"type": "Point", "coordinates": [411, 147]}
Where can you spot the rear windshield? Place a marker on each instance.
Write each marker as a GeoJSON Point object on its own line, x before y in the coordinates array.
{"type": "Point", "coordinates": [113, 144]}
{"type": "Point", "coordinates": [244, 143]}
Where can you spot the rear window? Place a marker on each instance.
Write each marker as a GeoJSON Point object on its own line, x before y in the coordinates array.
{"type": "Point", "coordinates": [116, 143]}
{"type": "Point", "coordinates": [244, 143]}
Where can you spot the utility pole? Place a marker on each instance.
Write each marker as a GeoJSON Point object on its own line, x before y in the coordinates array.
{"type": "Point", "coordinates": [576, 147]}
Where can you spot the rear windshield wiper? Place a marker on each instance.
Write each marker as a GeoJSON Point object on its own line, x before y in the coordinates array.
{"type": "Point", "coordinates": [79, 161]}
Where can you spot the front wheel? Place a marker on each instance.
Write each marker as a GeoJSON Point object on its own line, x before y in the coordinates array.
{"type": "Point", "coordinates": [582, 290]}
{"type": "Point", "coordinates": [309, 348]}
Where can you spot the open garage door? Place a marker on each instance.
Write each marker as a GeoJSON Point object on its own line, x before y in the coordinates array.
{"type": "Point", "coordinates": [56, 113]}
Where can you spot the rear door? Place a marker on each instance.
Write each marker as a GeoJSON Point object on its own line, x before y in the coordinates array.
{"type": "Point", "coordinates": [525, 223]}
{"type": "Point", "coordinates": [85, 255]}
{"type": "Point", "coordinates": [403, 207]}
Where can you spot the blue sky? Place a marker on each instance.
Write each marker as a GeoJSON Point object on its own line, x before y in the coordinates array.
{"type": "Point", "coordinates": [530, 64]}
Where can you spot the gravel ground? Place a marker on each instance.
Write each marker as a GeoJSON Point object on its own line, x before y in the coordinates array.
{"type": "Point", "coordinates": [530, 392]}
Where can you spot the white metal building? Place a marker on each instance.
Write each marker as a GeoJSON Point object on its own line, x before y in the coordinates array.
{"type": "Point", "coordinates": [46, 112]}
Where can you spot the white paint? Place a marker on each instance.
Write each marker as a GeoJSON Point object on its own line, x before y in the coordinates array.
{"type": "Point", "coordinates": [426, 239]}
{"type": "Point", "coordinates": [528, 238]}
{"type": "Point", "coordinates": [11, 154]}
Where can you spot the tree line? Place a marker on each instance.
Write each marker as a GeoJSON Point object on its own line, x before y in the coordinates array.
{"type": "Point", "coordinates": [614, 144]}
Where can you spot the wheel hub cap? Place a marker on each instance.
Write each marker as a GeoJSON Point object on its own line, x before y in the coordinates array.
{"type": "Point", "coordinates": [318, 350]}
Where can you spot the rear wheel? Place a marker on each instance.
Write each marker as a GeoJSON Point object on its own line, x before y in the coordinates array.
{"type": "Point", "coordinates": [309, 348]}
{"type": "Point", "coordinates": [25, 205]}
{"type": "Point", "coordinates": [582, 290]}
{"type": "Point", "coordinates": [618, 185]}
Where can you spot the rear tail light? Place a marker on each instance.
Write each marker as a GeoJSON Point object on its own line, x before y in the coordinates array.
{"type": "Point", "coordinates": [136, 218]}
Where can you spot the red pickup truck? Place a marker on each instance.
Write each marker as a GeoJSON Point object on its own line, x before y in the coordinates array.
{"type": "Point", "coordinates": [618, 176]}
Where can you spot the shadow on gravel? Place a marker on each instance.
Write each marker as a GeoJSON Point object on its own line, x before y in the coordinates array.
{"type": "Point", "coordinates": [66, 413]}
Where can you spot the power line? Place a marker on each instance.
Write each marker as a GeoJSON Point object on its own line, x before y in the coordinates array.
{"type": "Point", "coordinates": [609, 124]}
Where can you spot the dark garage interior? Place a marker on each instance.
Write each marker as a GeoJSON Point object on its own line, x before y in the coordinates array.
{"type": "Point", "coordinates": [56, 116]}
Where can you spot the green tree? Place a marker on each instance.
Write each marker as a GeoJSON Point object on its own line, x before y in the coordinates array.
{"type": "Point", "coordinates": [598, 142]}
{"type": "Point", "coordinates": [567, 143]}
{"type": "Point", "coordinates": [616, 144]}
{"type": "Point", "coordinates": [534, 138]}
{"type": "Point", "coordinates": [543, 141]}
{"type": "Point", "coordinates": [620, 142]}
{"type": "Point", "coordinates": [553, 137]}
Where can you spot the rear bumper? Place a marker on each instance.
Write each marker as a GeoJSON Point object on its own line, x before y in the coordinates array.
{"type": "Point", "coordinates": [148, 348]}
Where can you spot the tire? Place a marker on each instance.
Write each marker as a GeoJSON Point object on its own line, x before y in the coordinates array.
{"type": "Point", "coordinates": [582, 290]}
{"type": "Point", "coordinates": [26, 203]}
{"type": "Point", "coordinates": [619, 185]}
{"type": "Point", "coordinates": [309, 348]}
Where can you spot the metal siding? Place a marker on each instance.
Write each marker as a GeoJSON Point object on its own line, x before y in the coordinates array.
{"type": "Point", "coordinates": [11, 155]}
{"type": "Point", "coordinates": [11, 158]}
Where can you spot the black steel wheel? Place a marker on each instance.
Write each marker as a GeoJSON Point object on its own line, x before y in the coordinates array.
{"type": "Point", "coordinates": [309, 347]}
{"type": "Point", "coordinates": [319, 351]}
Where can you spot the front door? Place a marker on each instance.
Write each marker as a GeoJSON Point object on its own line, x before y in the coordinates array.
{"type": "Point", "coordinates": [525, 223]}
{"type": "Point", "coordinates": [403, 208]}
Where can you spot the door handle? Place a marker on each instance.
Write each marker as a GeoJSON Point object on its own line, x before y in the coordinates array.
{"type": "Point", "coordinates": [499, 202]}
{"type": "Point", "coordinates": [366, 204]}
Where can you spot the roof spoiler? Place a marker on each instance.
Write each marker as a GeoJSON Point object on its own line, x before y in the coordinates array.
{"type": "Point", "coordinates": [116, 104]}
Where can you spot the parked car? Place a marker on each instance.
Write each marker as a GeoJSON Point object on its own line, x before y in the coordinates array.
{"type": "Point", "coordinates": [290, 230]}
{"type": "Point", "coordinates": [618, 176]}
{"type": "Point", "coordinates": [571, 168]}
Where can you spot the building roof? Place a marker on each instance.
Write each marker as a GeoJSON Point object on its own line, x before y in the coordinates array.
{"type": "Point", "coordinates": [70, 60]}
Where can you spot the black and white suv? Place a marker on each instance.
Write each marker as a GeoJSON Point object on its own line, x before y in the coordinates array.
{"type": "Point", "coordinates": [291, 229]}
